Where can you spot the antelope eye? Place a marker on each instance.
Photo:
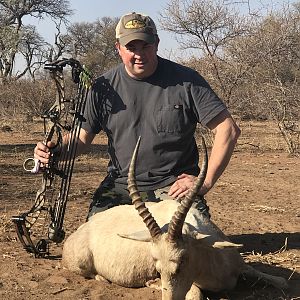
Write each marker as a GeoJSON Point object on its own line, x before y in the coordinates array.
{"type": "Point", "coordinates": [181, 264]}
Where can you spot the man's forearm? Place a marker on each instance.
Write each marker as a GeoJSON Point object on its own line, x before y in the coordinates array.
{"type": "Point", "coordinates": [226, 135]}
{"type": "Point", "coordinates": [82, 143]}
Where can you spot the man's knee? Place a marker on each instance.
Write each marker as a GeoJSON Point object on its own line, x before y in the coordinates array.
{"type": "Point", "coordinates": [106, 198]}
{"type": "Point", "coordinates": [98, 206]}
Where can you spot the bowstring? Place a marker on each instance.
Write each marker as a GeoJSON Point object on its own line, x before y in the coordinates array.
{"type": "Point", "coordinates": [69, 155]}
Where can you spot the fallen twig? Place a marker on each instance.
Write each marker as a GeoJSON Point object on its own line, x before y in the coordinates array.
{"type": "Point", "coordinates": [61, 290]}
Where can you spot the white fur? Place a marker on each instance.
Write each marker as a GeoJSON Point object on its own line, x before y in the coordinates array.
{"type": "Point", "coordinates": [115, 245]}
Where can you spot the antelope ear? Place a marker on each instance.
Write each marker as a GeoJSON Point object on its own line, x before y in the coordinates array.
{"type": "Point", "coordinates": [212, 242]}
{"type": "Point", "coordinates": [226, 244]}
{"type": "Point", "coordinates": [142, 236]}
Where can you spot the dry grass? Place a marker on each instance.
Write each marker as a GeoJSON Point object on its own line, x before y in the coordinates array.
{"type": "Point", "coordinates": [4, 223]}
{"type": "Point", "coordinates": [282, 258]}
{"type": "Point", "coordinates": [265, 208]}
{"type": "Point", "coordinates": [5, 226]}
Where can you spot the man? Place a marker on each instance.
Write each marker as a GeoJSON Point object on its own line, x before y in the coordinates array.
{"type": "Point", "coordinates": [162, 102]}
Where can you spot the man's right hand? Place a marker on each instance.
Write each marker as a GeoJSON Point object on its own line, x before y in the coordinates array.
{"type": "Point", "coordinates": [42, 151]}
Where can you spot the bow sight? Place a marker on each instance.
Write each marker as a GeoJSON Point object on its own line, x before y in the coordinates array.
{"type": "Point", "coordinates": [64, 116]}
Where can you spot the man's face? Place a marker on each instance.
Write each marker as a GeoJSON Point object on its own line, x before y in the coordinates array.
{"type": "Point", "coordinates": [139, 58]}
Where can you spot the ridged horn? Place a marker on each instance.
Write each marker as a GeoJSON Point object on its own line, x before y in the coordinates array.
{"type": "Point", "coordinates": [136, 198]}
{"type": "Point", "coordinates": [176, 224]}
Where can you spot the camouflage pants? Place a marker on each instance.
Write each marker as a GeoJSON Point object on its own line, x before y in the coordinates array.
{"type": "Point", "coordinates": [108, 195]}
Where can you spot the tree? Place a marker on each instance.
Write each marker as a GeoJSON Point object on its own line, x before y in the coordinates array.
{"type": "Point", "coordinates": [33, 49]}
{"type": "Point", "coordinates": [252, 62]}
{"type": "Point", "coordinates": [274, 50]}
{"type": "Point", "coordinates": [205, 26]}
{"type": "Point", "coordinates": [93, 43]}
{"type": "Point", "coordinates": [14, 33]}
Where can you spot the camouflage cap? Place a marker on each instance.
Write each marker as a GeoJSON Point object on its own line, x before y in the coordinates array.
{"type": "Point", "coordinates": [135, 26]}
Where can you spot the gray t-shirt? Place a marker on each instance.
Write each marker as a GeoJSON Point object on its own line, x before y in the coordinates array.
{"type": "Point", "coordinates": [163, 109]}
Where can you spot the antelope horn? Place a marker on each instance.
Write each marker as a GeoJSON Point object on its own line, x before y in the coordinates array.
{"type": "Point", "coordinates": [176, 224]}
{"type": "Point", "coordinates": [136, 198]}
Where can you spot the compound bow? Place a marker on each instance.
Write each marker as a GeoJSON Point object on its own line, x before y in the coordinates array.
{"type": "Point", "coordinates": [64, 115]}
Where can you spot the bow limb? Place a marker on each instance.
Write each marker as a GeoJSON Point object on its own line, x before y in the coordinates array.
{"type": "Point", "coordinates": [25, 221]}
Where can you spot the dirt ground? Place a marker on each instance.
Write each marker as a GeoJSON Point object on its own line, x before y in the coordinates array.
{"type": "Point", "coordinates": [255, 202]}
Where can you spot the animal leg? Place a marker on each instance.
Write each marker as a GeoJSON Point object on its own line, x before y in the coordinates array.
{"type": "Point", "coordinates": [276, 281]}
{"type": "Point", "coordinates": [154, 284]}
{"type": "Point", "coordinates": [194, 293]}
{"type": "Point", "coordinates": [101, 278]}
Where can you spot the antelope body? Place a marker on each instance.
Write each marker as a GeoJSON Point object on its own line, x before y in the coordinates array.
{"type": "Point", "coordinates": [190, 252]}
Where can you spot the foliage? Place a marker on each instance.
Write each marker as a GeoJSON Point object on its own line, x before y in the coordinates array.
{"type": "Point", "coordinates": [93, 44]}
{"type": "Point", "coordinates": [15, 35]}
{"type": "Point", "coordinates": [29, 99]}
{"type": "Point", "coordinates": [252, 62]}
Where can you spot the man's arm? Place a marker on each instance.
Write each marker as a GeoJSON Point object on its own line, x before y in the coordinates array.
{"type": "Point", "coordinates": [226, 134]}
{"type": "Point", "coordinates": [84, 142]}
{"type": "Point", "coordinates": [42, 151]}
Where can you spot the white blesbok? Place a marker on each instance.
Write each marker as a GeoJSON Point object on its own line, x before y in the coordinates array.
{"type": "Point", "coordinates": [189, 253]}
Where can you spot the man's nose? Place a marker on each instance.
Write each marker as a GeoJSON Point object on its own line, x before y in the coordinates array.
{"type": "Point", "coordinates": [139, 53]}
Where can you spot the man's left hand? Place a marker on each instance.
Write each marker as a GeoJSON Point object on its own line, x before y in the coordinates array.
{"type": "Point", "coordinates": [181, 186]}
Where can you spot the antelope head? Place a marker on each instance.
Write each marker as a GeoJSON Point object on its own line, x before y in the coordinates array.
{"type": "Point", "coordinates": [169, 249]}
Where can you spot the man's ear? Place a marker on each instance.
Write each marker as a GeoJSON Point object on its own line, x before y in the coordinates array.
{"type": "Point", "coordinates": [157, 42]}
{"type": "Point", "coordinates": [117, 46]}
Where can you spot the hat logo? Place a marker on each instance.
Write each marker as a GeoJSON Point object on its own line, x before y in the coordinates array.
{"type": "Point", "coordinates": [135, 24]}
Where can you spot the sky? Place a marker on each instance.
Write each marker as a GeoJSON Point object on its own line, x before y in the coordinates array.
{"type": "Point", "coordinates": [91, 10]}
